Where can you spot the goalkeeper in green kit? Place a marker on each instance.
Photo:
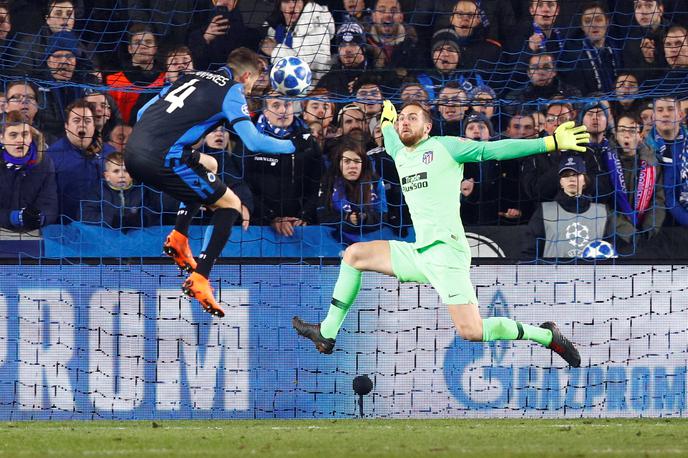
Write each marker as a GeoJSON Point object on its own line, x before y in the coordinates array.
{"type": "Point", "coordinates": [431, 170]}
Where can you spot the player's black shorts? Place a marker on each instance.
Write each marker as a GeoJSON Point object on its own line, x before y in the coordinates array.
{"type": "Point", "coordinates": [187, 180]}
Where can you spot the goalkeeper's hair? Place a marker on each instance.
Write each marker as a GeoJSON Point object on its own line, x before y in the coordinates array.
{"type": "Point", "coordinates": [426, 112]}
{"type": "Point", "coordinates": [243, 59]}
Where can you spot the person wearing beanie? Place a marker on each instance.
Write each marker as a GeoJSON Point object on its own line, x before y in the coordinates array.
{"type": "Point", "coordinates": [61, 68]}
{"type": "Point", "coordinates": [595, 116]}
{"type": "Point", "coordinates": [479, 189]}
{"type": "Point", "coordinates": [353, 59]}
{"type": "Point", "coordinates": [564, 227]}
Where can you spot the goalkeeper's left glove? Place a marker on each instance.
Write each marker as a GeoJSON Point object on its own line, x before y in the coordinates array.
{"type": "Point", "coordinates": [389, 114]}
{"type": "Point", "coordinates": [568, 137]}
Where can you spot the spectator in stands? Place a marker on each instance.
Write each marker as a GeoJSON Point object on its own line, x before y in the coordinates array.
{"type": "Point", "coordinates": [521, 125]}
{"type": "Point", "coordinates": [104, 116]}
{"type": "Point", "coordinates": [539, 175]}
{"type": "Point", "coordinates": [28, 193]}
{"type": "Point", "coordinates": [59, 18]}
{"type": "Point", "coordinates": [302, 30]}
{"type": "Point", "coordinates": [351, 11]}
{"type": "Point", "coordinates": [318, 107]}
{"type": "Point", "coordinates": [637, 209]}
{"type": "Point", "coordinates": [178, 61]}
{"type": "Point", "coordinates": [317, 132]}
{"type": "Point", "coordinates": [169, 21]}
{"type": "Point", "coordinates": [352, 124]}
{"type": "Point", "coordinates": [395, 43]}
{"type": "Point", "coordinates": [593, 58]}
{"type": "Point", "coordinates": [475, 46]}
{"type": "Point", "coordinates": [563, 228]}
{"type": "Point", "coordinates": [67, 82]}
{"type": "Point", "coordinates": [230, 169]}
{"type": "Point", "coordinates": [398, 215]}
{"type": "Point", "coordinates": [544, 82]}
{"type": "Point", "coordinates": [452, 105]}
{"type": "Point", "coordinates": [3, 103]}
{"type": "Point", "coordinates": [539, 35]}
{"type": "Point", "coordinates": [221, 31]}
{"type": "Point", "coordinates": [448, 65]}
{"type": "Point", "coordinates": [22, 96]}
{"type": "Point", "coordinates": [626, 86]}
{"type": "Point", "coordinates": [282, 184]}
{"type": "Point", "coordinates": [369, 98]}
{"type": "Point", "coordinates": [495, 16]}
{"type": "Point", "coordinates": [483, 100]}
{"type": "Point", "coordinates": [353, 60]}
{"type": "Point", "coordinates": [676, 47]}
{"type": "Point", "coordinates": [479, 203]}
{"type": "Point", "coordinates": [78, 159]}
{"type": "Point", "coordinates": [119, 136]}
{"type": "Point", "coordinates": [415, 92]}
{"type": "Point", "coordinates": [116, 202]}
{"type": "Point", "coordinates": [595, 117]}
{"type": "Point", "coordinates": [139, 73]}
{"type": "Point", "coordinates": [669, 139]}
{"type": "Point", "coordinates": [643, 40]}
{"type": "Point", "coordinates": [647, 116]}
{"type": "Point", "coordinates": [9, 58]}
{"type": "Point", "coordinates": [351, 194]}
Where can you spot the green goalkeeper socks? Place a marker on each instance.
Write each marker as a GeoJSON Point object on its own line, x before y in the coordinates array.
{"type": "Point", "coordinates": [499, 328]}
{"type": "Point", "coordinates": [345, 292]}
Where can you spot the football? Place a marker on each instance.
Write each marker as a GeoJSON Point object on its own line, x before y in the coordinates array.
{"type": "Point", "coordinates": [290, 76]}
{"type": "Point", "coordinates": [599, 249]}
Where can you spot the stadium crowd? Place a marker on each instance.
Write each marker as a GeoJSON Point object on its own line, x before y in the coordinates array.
{"type": "Point", "coordinates": [75, 75]}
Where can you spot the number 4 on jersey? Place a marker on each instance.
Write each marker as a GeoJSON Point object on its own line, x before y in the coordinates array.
{"type": "Point", "coordinates": [177, 97]}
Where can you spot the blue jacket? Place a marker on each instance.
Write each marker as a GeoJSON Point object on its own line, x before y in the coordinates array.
{"type": "Point", "coordinates": [126, 209]}
{"type": "Point", "coordinates": [77, 175]}
{"type": "Point", "coordinates": [33, 186]}
{"type": "Point", "coordinates": [672, 177]}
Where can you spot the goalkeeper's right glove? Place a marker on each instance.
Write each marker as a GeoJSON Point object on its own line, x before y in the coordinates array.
{"type": "Point", "coordinates": [389, 114]}
{"type": "Point", "coordinates": [568, 137]}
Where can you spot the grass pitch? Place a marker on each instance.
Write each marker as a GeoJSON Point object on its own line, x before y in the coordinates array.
{"type": "Point", "coordinates": [347, 438]}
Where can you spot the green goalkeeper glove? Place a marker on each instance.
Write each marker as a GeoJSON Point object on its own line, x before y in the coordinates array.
{"type": "Point", "coordinates": [568, 137]}
{"type": "Point", "coordinates": [389, 114]}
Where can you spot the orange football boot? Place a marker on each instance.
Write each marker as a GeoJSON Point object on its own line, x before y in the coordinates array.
{"type": "Point", "coordinates": [177, 247]}
{"type": "Point", "coordinates": [198, 287]}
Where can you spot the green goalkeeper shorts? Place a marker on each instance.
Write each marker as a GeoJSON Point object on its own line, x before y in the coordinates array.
{"type": "Point", "coordinates": [444, 267]}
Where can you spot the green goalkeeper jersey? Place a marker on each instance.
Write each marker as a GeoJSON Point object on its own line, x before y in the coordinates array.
{"type": "Point", "coordinates": [431, 175]}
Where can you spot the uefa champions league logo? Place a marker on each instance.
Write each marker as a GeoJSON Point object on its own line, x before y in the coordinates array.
{"type": "Point", "coordinates": [578, 236]}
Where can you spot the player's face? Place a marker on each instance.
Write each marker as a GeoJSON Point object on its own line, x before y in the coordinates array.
{"type": "Point", "coordinates": [572, 183]}
{"type": "Point", "coordinates": [452, 104]}
{"type": "Point", "coordinates": [627, 135]}
{"type": "Point", "coordinates": [17, 139]}
{"type": "Point", "coordinates": [102, 112]}
{"type": "Point", "coordinates": [279, 112]}
{"type": "Point", "coordinates": [412, 125]}
{"type": "Point", "coordinates": [117, 176]}
{"type": "Point", "coordinates": [249, 80]}
{"type": "Point", "coordinates": [60, 18]}
{"type": "Point", "coordinates": [218, 138]}
{"type": "Point", "coordinates": [351, 166]}
{"type": "Point", "coordinates": [21, 97]}
{"type": "Point", "coordinates": [80, 127]}
{"type": "Point", "coordinates": [119, 137]}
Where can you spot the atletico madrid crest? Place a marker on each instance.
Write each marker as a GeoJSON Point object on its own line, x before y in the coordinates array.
{"type": "Point", "coordinates": [427, 157]}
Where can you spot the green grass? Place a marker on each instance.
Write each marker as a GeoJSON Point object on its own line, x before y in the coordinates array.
{"type": "Point", "coordinates": [346, 438]}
